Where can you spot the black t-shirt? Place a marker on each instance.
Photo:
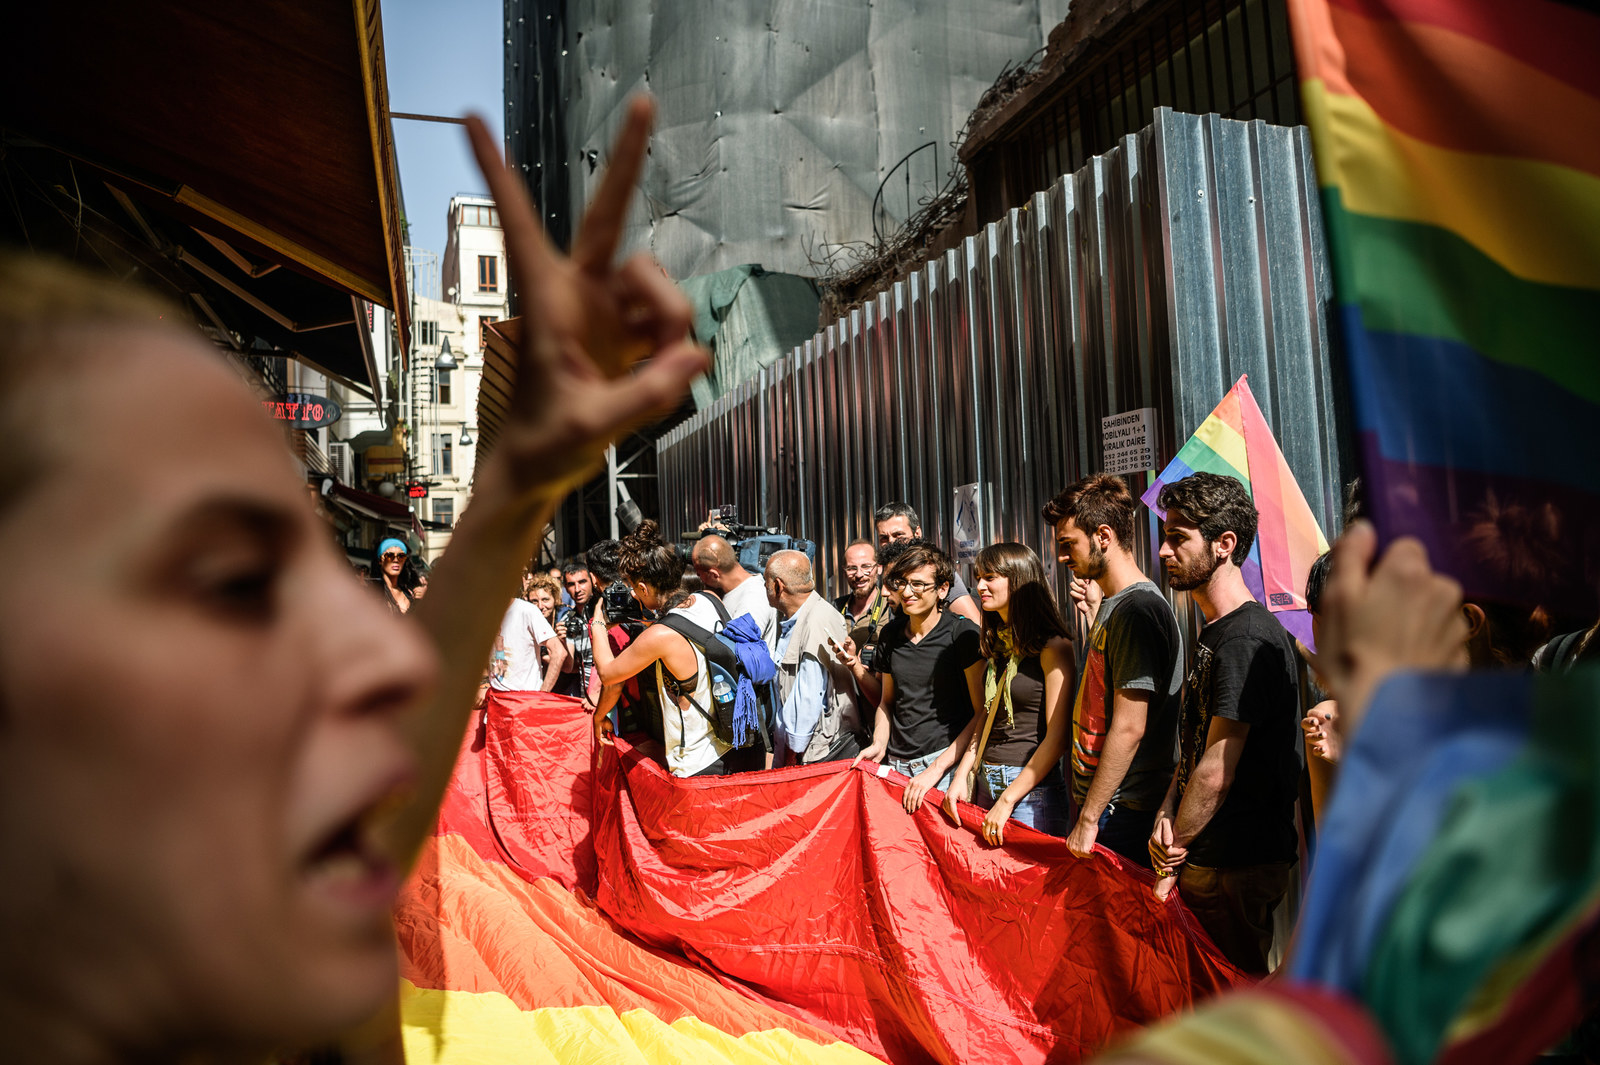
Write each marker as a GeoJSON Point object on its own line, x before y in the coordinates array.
{"type": "Point", "coordinates": [1015, 745]}
{"type": "Point", "coordinates": [1135, 646]}
{"type": "Point", "coordinates": [931, 703]}
{"type": "Point", "coordinates": [1245, 669]}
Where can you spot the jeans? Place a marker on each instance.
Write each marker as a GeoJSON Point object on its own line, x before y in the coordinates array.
{"type": "Point", "coordinates": [917, 765]}
{"type": "Point", "coordinates": [1043, 808]}
{"type": "Point", "coordinates": [1127, 832]}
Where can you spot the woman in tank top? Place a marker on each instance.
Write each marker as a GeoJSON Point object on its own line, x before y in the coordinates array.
{"type": "Point", "coordinates": [1012, 767]}
{"type": "Point", "coordinates": [653, 571]}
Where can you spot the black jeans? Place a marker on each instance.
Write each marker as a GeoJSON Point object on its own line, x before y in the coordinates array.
{"type": "Point", "coordinates": [1127, 832]}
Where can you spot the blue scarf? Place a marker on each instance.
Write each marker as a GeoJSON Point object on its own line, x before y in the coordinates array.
{"type": "Point", "coordinates": [759, 668]}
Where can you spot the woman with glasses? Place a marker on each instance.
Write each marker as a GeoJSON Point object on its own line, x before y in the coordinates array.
{"type": "Point", "coordinates": [389, 567]}
{"type": "Point", "coordinates": [932, 666]}
{"type": "Point", "coordinates": [1012, 763]}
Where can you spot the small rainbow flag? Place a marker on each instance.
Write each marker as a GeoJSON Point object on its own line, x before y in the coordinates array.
{"type": "Point", "coordinates": [1455, 144]}
{"type": "Point", "coordinates": [1236, 441]}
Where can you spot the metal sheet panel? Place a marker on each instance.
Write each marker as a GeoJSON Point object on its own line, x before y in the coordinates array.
{"type": "Point", "coordinates": [1152, 277]}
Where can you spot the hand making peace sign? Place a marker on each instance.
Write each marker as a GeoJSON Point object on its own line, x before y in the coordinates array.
{"type": "Point", "coordinates": [586, 323]}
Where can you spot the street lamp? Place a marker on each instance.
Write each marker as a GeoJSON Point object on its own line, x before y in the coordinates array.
{"type": "Point", "coordinates": [445, 361]}
{"type": "Point", "coordinates": [466, 437]}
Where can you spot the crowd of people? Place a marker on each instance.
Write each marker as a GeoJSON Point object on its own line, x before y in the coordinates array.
{"type": "Point", "coordinates": [1095, 721]}
{"type": "Point", "coordinates": [222, 754]}
{"type": "Point", "coordinates": [1091, 720]}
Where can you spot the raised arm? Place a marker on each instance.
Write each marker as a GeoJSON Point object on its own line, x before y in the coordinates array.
{"type": "Point", "coordinates": [586, 323]}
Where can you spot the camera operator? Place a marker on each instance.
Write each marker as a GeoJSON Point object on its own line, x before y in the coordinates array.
{"type": "Point", "coordinates": [652, 572]}
{"type": "Point", "coordinates": [742, 592]}
{"type": "Point", "coordinates": [579, 586]}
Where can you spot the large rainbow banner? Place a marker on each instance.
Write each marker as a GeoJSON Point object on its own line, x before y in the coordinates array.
{"type": "Point", "coordinates": [582, 908]}
{"type": "Point", "coordinates": [1455, 144]}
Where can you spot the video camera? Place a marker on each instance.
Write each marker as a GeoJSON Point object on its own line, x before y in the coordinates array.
{"type": "Point", "coordinates": [754, 544]}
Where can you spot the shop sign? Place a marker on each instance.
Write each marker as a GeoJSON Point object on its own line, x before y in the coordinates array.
{"type": "Point", "coordinates": [417, 490]}
{"type": "Point", "coordinates": [1128, 441]}
{"type": "Point", "coordinates": [303, 410]}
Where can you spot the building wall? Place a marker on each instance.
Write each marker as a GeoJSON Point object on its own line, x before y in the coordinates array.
{"type": "Point", "coordinates": [1154, 276]}
{"type": "Point", "coordinates": [777, 122]}
{"type": "Point", "coordinates": [471, 298]}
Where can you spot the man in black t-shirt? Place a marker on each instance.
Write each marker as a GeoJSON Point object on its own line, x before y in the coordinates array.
{"type": "Point", "coordinates": [932, 667]}
{"type": "Point", "coordinates": [1226, 829]}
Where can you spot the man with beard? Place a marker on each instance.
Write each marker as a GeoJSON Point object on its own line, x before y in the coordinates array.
{"type": "Point", "coordinates": [1226, 829]}
{"type": "Point", "coordinates": [1125, 716]}
{"type": "Point", "coordinates": [865, 605]}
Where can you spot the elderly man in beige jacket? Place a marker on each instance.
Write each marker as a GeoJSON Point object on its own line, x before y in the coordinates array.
{"type": "Point", "coordinates": [818, 720]}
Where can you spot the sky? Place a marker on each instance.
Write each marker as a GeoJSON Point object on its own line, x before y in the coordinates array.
{"type": "Point", "coordinates": [444, 59]}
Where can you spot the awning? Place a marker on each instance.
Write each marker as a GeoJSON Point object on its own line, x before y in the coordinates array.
{"type": "Point", "coordinates": [494, 390]}
{"type": "Point", "coordinates": [204, 146]}
{"type": "Point", "coordinates": [396, 515]}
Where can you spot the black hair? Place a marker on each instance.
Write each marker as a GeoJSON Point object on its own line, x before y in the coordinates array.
{"type": "Point", "coordinates": [1316, 580]}
{"type": "Point", "coordinates": [919, 553]}
{"type": "Point", "coordinates": [1214, 504]}
{"type": "Point", "coordinates": [602, 561]}
{"type": "Point", "coordinates": [1093, 501]}
{"type": "Point", "coordinates": [412, 574]}
{"type": "Point", "coordinates": [644, 557]}
{"type": "Point", "coordinates": [896, 510]}
{"type": "Point", "coordinates": [892, 550]}
{"type": "Point", "coordinates": [1035, 617]}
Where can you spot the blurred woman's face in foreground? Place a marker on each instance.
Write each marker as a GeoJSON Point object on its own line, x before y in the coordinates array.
{"type": "Point", "coordinates": [199, 719]}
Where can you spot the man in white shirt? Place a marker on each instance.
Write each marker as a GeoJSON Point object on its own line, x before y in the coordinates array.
{"type": "Point", "coordinates": [742, 592]}
{"type": "Point", "coordinates": [514, 666]}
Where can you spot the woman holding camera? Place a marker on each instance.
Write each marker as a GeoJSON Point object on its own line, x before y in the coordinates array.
{"type": "Point", "coordinates": [1012, 766]}
{"type": "Point", "coordinates": [653, 572]}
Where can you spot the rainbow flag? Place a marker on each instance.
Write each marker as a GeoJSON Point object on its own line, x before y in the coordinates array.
{"type": "Point", "coordinates": [1236, 441]}
{"type": "Point", "coordinates": [1456, 892]}
{"type": "Point", "coordinates": [1455, 144]}
{"type": "Point", "coordinates": [580, 908]}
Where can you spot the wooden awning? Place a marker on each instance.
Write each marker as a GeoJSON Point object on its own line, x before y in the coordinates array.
{"type": "Point", "coordinates": [494, 389]}
{"type": "Point", "coordinates": [207, 145]}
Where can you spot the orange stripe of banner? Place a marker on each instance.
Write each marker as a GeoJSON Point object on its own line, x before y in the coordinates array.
{"type": "Point", "coordinates": [1457, 92]}
{"type": "Point", "coordinates": [467, 924]}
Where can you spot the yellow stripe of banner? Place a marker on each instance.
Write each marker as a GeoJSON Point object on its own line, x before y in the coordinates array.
{"type": "Point", "coordinates": [1538, 220]}
{"type": "Point", "coordinates": [487, 1028]}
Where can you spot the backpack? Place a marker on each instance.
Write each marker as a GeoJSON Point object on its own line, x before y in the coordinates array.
{"type": "Point", "coordinates": [743, 703]}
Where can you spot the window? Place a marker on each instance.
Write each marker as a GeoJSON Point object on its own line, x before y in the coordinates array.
{"type": "Point", "coordinates": [428, 333]}
{"type": "Point", "coordinates": [483, 331]}
{"type": "Point", "coordinates": [444, 510]}
{"type": "Point", "coordinates": [444, 463]}
{"type": "Point", "coordinates": [442, 386]}
{"type": "Point", "coordinates": [473, 214]}
{"type": "Point", "coordinates": [488, 273]}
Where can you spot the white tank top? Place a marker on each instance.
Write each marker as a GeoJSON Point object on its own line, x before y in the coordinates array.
{"type": "Point", "coordinates": [691, 745]}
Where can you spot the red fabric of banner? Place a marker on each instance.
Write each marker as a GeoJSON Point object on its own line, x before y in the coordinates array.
{"type": "Point", "coordinates": [812, 889]}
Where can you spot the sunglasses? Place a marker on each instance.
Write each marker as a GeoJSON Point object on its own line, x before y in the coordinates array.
{"type": "Point", "coordinates": [393, 556]}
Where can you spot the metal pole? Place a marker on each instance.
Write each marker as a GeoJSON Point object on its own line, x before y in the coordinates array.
{"type": "Point", "coordinates": [611, 490]}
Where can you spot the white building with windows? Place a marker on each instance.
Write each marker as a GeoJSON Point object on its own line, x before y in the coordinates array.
{"type": "Point", "coordinates": [442, 436]}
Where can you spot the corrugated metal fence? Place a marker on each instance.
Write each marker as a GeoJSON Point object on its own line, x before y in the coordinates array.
{"type": "Point", "coordinates": [1152, 277]}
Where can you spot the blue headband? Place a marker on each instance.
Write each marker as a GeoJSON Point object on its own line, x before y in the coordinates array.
{"type": "Point", "coordinates": [392, 542]}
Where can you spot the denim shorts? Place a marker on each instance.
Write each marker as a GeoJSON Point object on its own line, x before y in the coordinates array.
{"type": "Point", "coordinates": [917, 765]}
{"type": "Point", "coordinates": [1044, 808]}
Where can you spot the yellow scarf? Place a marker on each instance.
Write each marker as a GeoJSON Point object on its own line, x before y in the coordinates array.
{"type": "Point", "coordinates": [994, 680]}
